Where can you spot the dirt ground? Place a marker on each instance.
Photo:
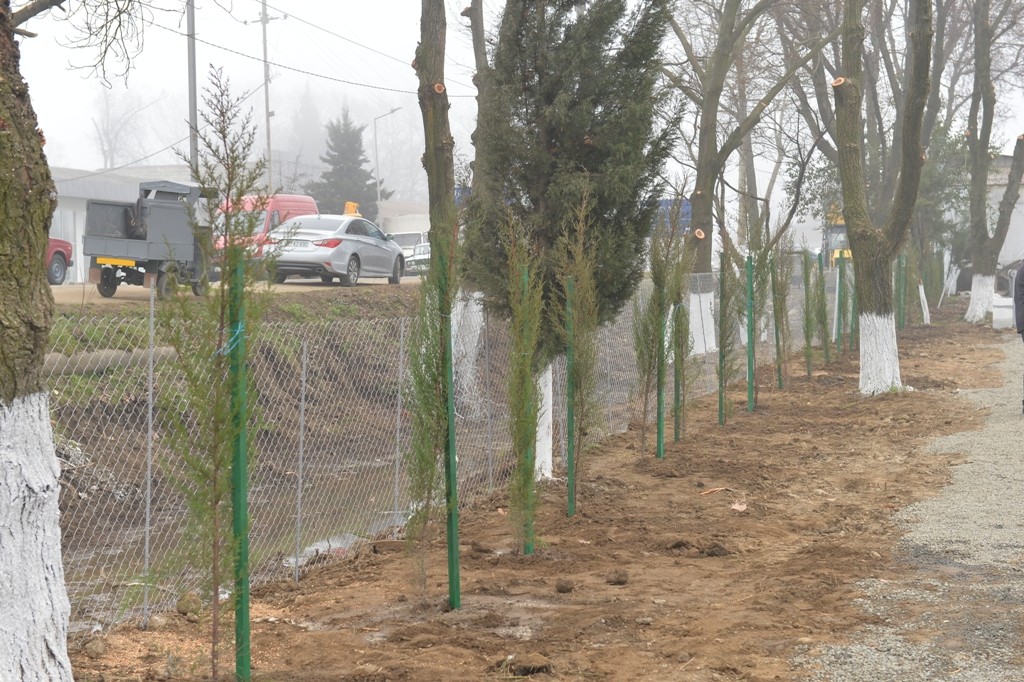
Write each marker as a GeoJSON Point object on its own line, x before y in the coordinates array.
{"type": "Point", "coordinates": [715, 563]}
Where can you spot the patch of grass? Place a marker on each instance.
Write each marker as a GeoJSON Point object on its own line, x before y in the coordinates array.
{"type": "Point", "coordinates": [297, 312]}
{"type": "Point", "coordinates": [344, 311]}
{"type": "Point", "coordinates": [70, 335]}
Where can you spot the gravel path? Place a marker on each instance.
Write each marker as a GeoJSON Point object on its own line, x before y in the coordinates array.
{"type": "Point", "coordinates": [956, 614]}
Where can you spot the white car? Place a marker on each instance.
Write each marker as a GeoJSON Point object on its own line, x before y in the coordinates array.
{"type": "Point", "coordinates": [327, 246]}
{"type": "Point", "coordinates": [420, 258]}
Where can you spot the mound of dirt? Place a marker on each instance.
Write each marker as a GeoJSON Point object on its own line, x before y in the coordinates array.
{"type": "Point", "coordinates": [717, 563]}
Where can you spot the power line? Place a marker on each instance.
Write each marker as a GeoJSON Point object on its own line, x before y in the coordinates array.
{"type": "Point", "coordinates": [360, 45]}
{"type": "Point", "coordinates": [292, 68]}
{"type": "Point", "coordinates": [159, 151]}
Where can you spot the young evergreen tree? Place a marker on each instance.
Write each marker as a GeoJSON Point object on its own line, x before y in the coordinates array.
{"type": "Point", "coordinates": [347, 178]}
{"type": "Point", "coordinates": [571, 105]}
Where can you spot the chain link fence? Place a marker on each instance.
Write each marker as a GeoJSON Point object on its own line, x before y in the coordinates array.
{"type": "Point", "coordinates": [327, 442]}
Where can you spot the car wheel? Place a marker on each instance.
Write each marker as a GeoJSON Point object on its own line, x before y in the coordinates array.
{"type": "Point", "coordinates": [280, 277]}
{"type": "Point", "coordinates": [199, 288]}
{"type": "Point", "coordinates": [396, 272]}
{"type": "Point", "coordinates": [351, 276]}
{"type": "Point", "coordinates": [326, 279]}
{"type": "Point", "coordinates": [57, 270]}
{"type": "Point", "coordinates": [107, 285]}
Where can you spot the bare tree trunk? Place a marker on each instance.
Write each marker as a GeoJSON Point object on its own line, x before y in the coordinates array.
{"type": "Point", "coordinates": [433, 95]}
{"type": "Point", "coordinates": [985, 248]}
{"type": "Point", "coordinates": [34, 605]}
{"type": "Point", "coordinates": [874, 248]}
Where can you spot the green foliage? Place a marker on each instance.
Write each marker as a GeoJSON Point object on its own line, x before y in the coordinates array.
{"type": "Point", "coordinates": [821, 309]}
{"type": "Point", "coordinates": [650, 315]}
{"type": "Point", "coordinates": [204, 418]}
{"type": "Point", "coordinates": [731, 309]}
{"type": "Point", "coordinates": [572, 109]}
{"type": "Point", "coordinates": [809, 309]}
{"type": "Point", "coordinates": [685, 366]}
{"type": "Point", "coordinates": [781, 277]}
{"type": "Point", "coordinates": [428, 393]}
{"type": "Point", "coordinates": [525, 300]}
{"type": "Point", "coordinates": [941, 216]}
{"type": "Point", "coordinates": [429, 407]}
{"type": "Point", "coordinates": [574, 255]}
{"type": "Point", "coordinates": [346, 178]}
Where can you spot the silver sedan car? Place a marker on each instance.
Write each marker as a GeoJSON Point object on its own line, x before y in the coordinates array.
{"type": "Point", "coordinates": [327, 246]}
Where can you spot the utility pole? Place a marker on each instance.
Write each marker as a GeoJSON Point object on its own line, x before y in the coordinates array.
{"type": "Point", "coordinates": [193, 114]}
{"type": "Point", "coordinates": [376, 158]}
{"type": "Point", "coordinates": [264, 19]}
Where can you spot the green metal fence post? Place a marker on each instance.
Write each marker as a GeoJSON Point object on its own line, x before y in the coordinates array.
{"type": "Point", "coordinates": [808, 317]}
{"type": "Point", "coordinates": [677, 374]}
{"type": "Point", "coordinates": [239, 471]}
{"type": "Point", "coordinates": [723, 263]}
{"type": "Point", "coordinates": [901, 294]}
{"type": "Point", "coordinates": [854, 321]}
{"type": "Point", "coordinates": [570, 396]}
{"type": "Point", "coordinates": [528, 526]}
{"type": "Point", "coordinates": [776, 319]}
{"type": "Point", "coordinates": [750, 333]}
{"type": "Point", "coordinates": [451, 489]}
{"type": "Point", "coordinates": [840, 304]}
{"type": "Point", "coordinates": [660, 450]}
{"type": "Point", "coordinates": [823, 309]}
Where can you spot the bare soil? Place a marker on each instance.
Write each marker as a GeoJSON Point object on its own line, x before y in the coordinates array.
{"type": "Point", "coordinates": [717, 563]}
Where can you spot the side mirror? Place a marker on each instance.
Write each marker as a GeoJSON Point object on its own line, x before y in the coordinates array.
{"type": "Point", "coordinates": [390, 237]}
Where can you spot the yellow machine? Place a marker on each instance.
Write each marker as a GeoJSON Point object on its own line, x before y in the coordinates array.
{"type": "Point", "coordinates": [835, 240]}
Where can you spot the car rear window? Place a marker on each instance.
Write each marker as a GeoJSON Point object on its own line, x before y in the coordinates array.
{"type": "Point", "coordinates": [313, 223]}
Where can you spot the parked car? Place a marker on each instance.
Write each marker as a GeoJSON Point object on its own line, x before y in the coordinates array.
{"type": "Point", "coordinates": [327, 246]}
{"type": "Point", "coordinates": [420, 258]}
{"type": "Point", "coordinates": [277, 209]}
{"type": "Point", "coordinates": [58, 260]}
{"type": "Point", "coordinates": [408, 242]}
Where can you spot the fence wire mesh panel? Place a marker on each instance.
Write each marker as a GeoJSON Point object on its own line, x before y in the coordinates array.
{"type": "Point", "coordinates": [328, 438]}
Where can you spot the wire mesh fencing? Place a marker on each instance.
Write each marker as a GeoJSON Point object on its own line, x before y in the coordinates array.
{"type": "Point", "coordinates": [330, 428]}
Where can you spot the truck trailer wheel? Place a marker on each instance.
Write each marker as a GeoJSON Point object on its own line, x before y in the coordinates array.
{"type": "Point", "coordinates": [107, 286]}
{"type": "Point", "coordinates": [166, 282]}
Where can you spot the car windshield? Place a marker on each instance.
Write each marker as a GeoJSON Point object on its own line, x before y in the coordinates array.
{"type": "Point", "coordinates": [310, 224]}
{"type": "Point", "coordinates": [421, 249]}
{"type": "Point", "coordinates": [238, 220]}
{"type": "Point", "coordinates": [407, 239]}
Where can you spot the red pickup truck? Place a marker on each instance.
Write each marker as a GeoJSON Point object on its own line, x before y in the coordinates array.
{"type": "Point", "coordinates": [58, 260]}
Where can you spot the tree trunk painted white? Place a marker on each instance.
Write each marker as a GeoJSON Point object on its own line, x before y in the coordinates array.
{"type": "Point", "coordinates": [983, 287]}
{"type": "Point", "coordinates": [542, 462]}
{"type": "Point", "coordinates": [926, 313]}
{"type": "Point", "coordinates": [467, 323]}
{"type": "Point", "coordinates": [879, 356]}
{"type": "Point", "coordinates": [702, 323]}
{"type": "Point", "coordinates": [949, 286]}
{"type": "Point", "coordinates": [34, 606]}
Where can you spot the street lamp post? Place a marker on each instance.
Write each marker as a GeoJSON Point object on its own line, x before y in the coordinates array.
{"type": "Point", "coordinates": [376, 158]}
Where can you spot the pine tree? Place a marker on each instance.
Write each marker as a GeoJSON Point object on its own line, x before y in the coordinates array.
{"type": "Point", "coordinates": [571, 105]}
{"type": "Point", "coordinates": [346, 178]}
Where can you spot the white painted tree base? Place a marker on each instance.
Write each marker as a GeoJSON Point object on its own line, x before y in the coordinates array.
{"type": "Point", "coordinates": [879, 356]}
{"type": "Point", "coordinates": [34, 606]}
{"type": "Point", "coordinates": [543, 460]}
{"type": "Point", "coordinates": [983, 288]}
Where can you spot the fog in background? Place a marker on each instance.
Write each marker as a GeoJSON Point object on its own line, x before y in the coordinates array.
{"type": "Point", "coordinates": [325, 55]}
